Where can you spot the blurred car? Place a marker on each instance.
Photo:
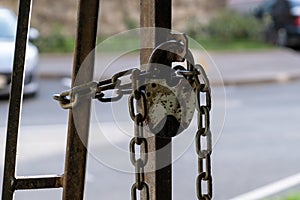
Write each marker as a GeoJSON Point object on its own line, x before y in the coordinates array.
{"type": "Point", "coordinates": [282, 21]}
{"type": "Point", "coordinates": [8, 25]}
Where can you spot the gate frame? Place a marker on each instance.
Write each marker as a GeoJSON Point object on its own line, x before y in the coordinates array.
{"type": "Point", "coordinates": [73, 179]}
{"type": "Point", "coordinates": [158, 14]}
{"type": "Point", "coordinates": [153, 13]}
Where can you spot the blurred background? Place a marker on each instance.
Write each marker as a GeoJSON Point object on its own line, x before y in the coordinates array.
{"type": "Point", "coordinates": [203, 20]}
{"type": "Point", "coordinates": [253, 61]}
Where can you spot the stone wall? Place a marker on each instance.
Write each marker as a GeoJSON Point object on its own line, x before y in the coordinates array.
{"type": "Point", "coordinates": [115, 15]}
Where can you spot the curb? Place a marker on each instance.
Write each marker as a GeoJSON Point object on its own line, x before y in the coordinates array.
{"type": "Point", "coordinates": [256, 81]}
{"type": "Point", "coordinates": [50, 76]}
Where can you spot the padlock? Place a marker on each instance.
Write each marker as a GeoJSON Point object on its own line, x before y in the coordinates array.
{"type": "Point", "coordinates": [170, 98]}
{"type": "Point", "coordinates": [170, 108]}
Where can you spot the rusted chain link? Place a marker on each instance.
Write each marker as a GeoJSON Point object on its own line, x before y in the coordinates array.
{"type": "Point", "coordinates": [203, 136]}
{"type": "Point", "coordinates": [96, 90]}
{"type": "Point", "coordinates": [196, 76]}
{"type": "Point", "coordinates": [70, 98]}
{"type": "Point", "coordinates": [138, 117]}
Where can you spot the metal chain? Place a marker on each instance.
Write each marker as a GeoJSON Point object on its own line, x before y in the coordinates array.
{"type": "Point", "coordinates": [203, 136]}
{"type": "Point", "coordinates": [96, 90]}
{"type": "Point", "coordinates": [114, 84]}
{"type": "Point", "coordinates": [138, 117]}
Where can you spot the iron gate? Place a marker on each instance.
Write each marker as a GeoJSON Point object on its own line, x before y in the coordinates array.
{"type": "Point", "coordinates": [154, 185]}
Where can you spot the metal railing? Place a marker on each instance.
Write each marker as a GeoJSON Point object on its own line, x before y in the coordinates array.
{"type": "Point", "coordinates": [154, 13]}
{"type": "Point", "coordinates": [72, 181]}
{"type": "Point", "coordinates": [155, 183]}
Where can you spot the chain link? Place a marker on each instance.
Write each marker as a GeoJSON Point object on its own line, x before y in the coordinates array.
{"type": "Point", "coordinates": [138, 117]}
{"type": "Point", "coordinates": [70, 98]}
{"type": "Point", "coordinates": [114, 84]}
{"type": "Point", "coordinates": [138, 112]}
{"type": "Point", "coordinates": [203, 133]}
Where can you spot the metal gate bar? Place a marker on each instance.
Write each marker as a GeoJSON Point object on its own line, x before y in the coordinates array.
{"type": "Point", "coordinates": [75, 164]}
{"type": "Point", "coordinates": [157, 13]}
{"type": "Point", "coordinates": [154, 13]}
{"type": "Point", "coordinates": [74, 176]}
{"type": "Point", "coordinates": [10, 181]}
{"type": "Point", "coordinates": [38, 183]}
{"type": "Point", "coordinates": [15, 102]}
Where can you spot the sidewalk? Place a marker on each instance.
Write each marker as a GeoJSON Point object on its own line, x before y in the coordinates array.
{"type": "Point", "coordinates": [236, 68]}
{"type": "Point", "coordinates": [269, 66]}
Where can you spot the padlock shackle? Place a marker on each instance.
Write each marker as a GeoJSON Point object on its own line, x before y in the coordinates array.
{"type": "Point", "coordinates": [166, 53]}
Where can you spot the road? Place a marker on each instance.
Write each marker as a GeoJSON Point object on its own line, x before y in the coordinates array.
{"type": "Point", "coordinates": [259, 143]}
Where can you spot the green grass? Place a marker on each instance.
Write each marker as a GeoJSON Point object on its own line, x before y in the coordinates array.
{"type": "Point", "coordinates": [62, 44]}
{"type": "Point", "coordinates": [118, 43]}
{"type": "Point", "coordinates": [291, 196]}
{"type": "Point", "coordinates": [227, 31]}
{"type": "Point", "coordinates": [236, 45]}
{"type": "Point", "coordinates": [55, 44]}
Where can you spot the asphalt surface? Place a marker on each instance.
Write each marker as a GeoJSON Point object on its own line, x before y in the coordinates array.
{"type": "Point", "coordinates": [228, 68]}
{"type": "Point", "coordinates": [258, 144]}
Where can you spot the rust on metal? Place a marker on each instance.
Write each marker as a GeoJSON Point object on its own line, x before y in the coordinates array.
{"type": "Point", "coordinates": [156, 13]}
{"type": "Point", "coordinates": [16, 98]}
{"type": "Point", "coordinates": [203, 133]}
{"type": "Point", "coordinates": [38, 182]}
{"type": "Point", "coordinates": [158, 98]}
{"type": "Point", "coordinates": [138, 139]}
{"type": "Point", "coordinates": [75, 164]}
{"type": "Point", "coordinates": [172, 107]}
{"type": "Point", "coordinates": [73, 179]}
{"type": "Point", "coordinates": [170, 98]}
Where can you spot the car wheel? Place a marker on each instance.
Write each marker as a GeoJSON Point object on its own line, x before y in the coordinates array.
{"type": "Point", "coordinates": [281, 37]}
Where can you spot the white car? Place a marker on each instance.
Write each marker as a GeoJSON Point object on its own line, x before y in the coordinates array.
{"type": "Point", "coordinates": [8, 25]}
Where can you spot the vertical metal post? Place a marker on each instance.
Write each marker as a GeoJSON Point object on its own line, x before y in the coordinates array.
{"type": "Point", "coordinates": [75, 164]}
{"type": "Point", "coordinates": [157, 13]}
{"type": "Point", "coordinates": [15, 102]}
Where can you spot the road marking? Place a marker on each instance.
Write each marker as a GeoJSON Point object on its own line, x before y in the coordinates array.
{"type": "Point", "coordinates": [271, 189]}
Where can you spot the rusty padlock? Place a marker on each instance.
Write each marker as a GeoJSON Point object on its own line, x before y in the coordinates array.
{"type": "Point", "coordinates": [170, 98]}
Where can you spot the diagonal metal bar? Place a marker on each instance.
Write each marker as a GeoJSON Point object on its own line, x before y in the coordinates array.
{"type": "Point", "coordinates": [16, 98]}
{"type": "Point", "coordinates": [157, 13]}
{"type": "Point", "coordinates": [75, 163]}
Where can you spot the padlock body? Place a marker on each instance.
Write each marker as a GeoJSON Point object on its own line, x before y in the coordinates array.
{"type": "Point", "coordinates": [170, 108]}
